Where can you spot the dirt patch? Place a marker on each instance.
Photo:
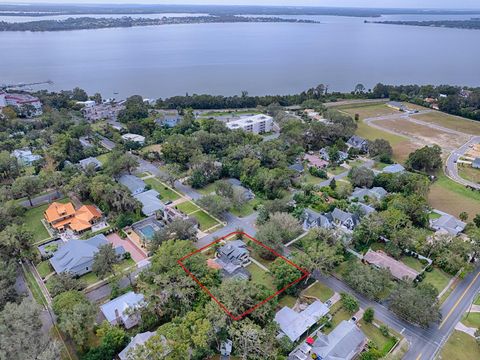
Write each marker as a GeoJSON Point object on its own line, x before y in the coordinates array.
{"type": "Point", "coordinates": [403, 149]}
{"type": "Point", "coordinates": [474, 151]}
{"type": "Point", "coordinates": [449, 201]}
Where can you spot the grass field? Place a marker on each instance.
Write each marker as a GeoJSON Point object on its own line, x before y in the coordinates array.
{"type": "Point", "coordinates": [472, 320]}
{"type": "Point", "coordinates": [320, 291]}
{"type": "Point", "coordinates": [451, 122]}
{"type": "Point", "coordinates": [460, 346]}
{"type": "Point", "coordinates": [437, 278]}
{"type": "Point", "coordinates": [187, 207]}
{"type": "Point", "coordinates": [246, 209]}
{"type": "Point", "coordinates": [415, 264]}
{"type": "Point", "coordinates": [469, 173]}
{"type": "Point", "coordinates": [260, 276]}
{"type": "Point", "coordinates": [340, 315]}
{"type": "Point", "coordinates": [205, 221]}
{"type": "Point", "coordinates": [383, 343]}
{"type": "Point", "coordinates": [453, 198]}
{"type": "Point", "coordinates": [477, 300]}
{"type": "Point", "coordinates": [34, 287]}
{"type": "Point", "coordinates": [44, 268]}
{"type": "Point", "coordinates": [103, 158]}
{"type": "Point", "coordinates": [207, 190]}
{"type": "Point", "coordinates": [287, 300]}
{"type": "Point", "coordinates": [33, 221]}
{"type": "Point", "coordinates": [166, 193]}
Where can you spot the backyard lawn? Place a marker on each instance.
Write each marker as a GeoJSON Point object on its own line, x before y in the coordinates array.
{"type": "Point", "coordinates": [166, 193]}
{"type": "Point", "coordinates": [187, 207]}
{"type": "Point", "coordinates": [319, 291]}
{"type": "Point", "coordinates": [310, 179]}
{"type": "Point", "coordinates": [44, 268]}
{"type": "Point", "coordinates": [246, 209]}
{"type": "Point", "coordinates": [414, 263]}
{"type": "Point", "coordinates": [33, 221]}
{"type": "Point", "coordinates": [472, 320]}
{"type": "Point", "coordinates": [383, 343]}
{"type": "Point", "coordinates": [460, 346]}
{"type": "Point", "coordinates": [336, 171]}
{"type": "Point", "coordinates": [205, 221]}
{"type": "Point", "coordinates": [287, 300]}
{"type": "Point", "coordinates": [338, 317]}
{"type": "Point", "coordinates": [437, 278]}
{"type": "Point", "coordinates": [261, 277]}
{"type": "Point", "coordinates": [103, 158]}
{"type": "Point", "coordinates": [91, 278]}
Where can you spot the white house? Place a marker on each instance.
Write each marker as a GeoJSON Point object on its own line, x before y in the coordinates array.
{"type": "Point", "coordinates": [134, 137]}
{"type": "Point", "coordinates": [257, 124]}
{"type": "Point", "coordinates": [20, 101]}
{"type": "Point", "coordinates": [124, 310]}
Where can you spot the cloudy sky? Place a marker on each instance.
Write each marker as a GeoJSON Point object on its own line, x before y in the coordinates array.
{"type": "Point", "coordinates": [449, 4]}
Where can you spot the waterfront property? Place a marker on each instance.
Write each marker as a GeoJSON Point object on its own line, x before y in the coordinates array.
{"type": "Point", "coordinates": [257, 124]}
{"type": "Point", "coordinates": [26, 103]}
{"type": "Point", "coordinates": [124, 310]}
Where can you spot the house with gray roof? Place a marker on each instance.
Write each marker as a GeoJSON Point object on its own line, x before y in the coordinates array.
{"type": "Point", "coordinates": [298, 167]}
{"type": "Point", "coordinates": [345, 219]}
{"type": "Point", "coordinates": [294, 324]}
{"type": "Point", "coordinates": [345, 342]}
{"type": "Point", "coordinates": [124, 310]}
{"type": "Point", "coordinates": [150, 202]}
{"type": "Point", "coordinates": [393, 169]}
{"type": "Point", "coordinates": [312, 219]}
{"type": "Point", "coordinates": [476, 163]}
{"type": "Point", "coordinates": [168, 118]}
{"type": "Point", "coordinates": [245, 193]}
{"type": "Point", "coordinates": [377, 193]}
{"type": "Point", "coordinates": [232, 258]}
{"type": "Point", "coordinates": [90, 162]}
{"type": "Point", "coordinates": [134, 184]}
{"type": "Point", "coordinates": [342, 155]}
{"type": "Point", "coordinates": [76, 256]}
{"type": "Point", "coordinates": [358, 143]}
{"type": "Point", "coordinates": [137, 340]}
{"type": "Point", "coordinates": [25, 156]}
{"type": "Point", "coordinates": [448, 223]}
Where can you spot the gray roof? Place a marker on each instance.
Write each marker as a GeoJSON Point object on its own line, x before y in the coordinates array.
{"type": "Point", "coordinates": [234, 250]}
{"type": "Point", "coordinates": [377, 192]}
{"type": "Point", "coordinates": [76, 254]}
{"type": "Point", "coordinates": [393, 169]}
{"type": "Point", "coordinates": [366, 209]}
{"type": "Point", "coordinates": [315, 219]}
{"type": "Point", "coordinates": [133, 183]}
{"type": "Point", "coordinates": [476, 163]}
{"type": "Point", "coordinates": [150, 202]}
{"type": "Point", "coordinates": [298, 167]}
{"type": "Point", "coordinates": [138, 339]}
{"type": "Point", "coordinates": [294, 324]}
{"type": "Point", "coordinates": [449, 223]}
{"type": "Point", "coordinates": [342, 216]}
{"type": "Point", "coordinates": [90, 160]}
{"type": "Point", "coordinates": [357, 142]}
{"type": "Point", "coordinates": [343, 343]}
{"type": "Point", "coordinates": [124, 304]}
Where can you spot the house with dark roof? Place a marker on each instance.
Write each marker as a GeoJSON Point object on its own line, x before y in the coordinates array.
{"type": "Point", "coordinates": [397, 268]}
{"type": "Point", "coordinates": [298, 167]}
{"type": "Point", "coordinates": [448, 223]}
{"type": "Point", "coordinates": [294, 324]}
{"type": "Point", "coordinates": [134, 184]}
{"type": "Point", "coordinates": [76, 256]}
{"type": "Point", "coordinates": [342, 155]}
{"type": "Point", "coordinates": [231, 259]}
{"type": "Point", "coordinates": [393, 169]}
{"type": "Point", "coordinates": [124, 310]}
{"type": "Point", "coordinates": [377, 193]}
{"type": "Point", "coordinates": [345, 342]}
{"type": "Point", "coordinates": [313, 219]}
{"type": "Point", "coordinates": [358, 143]}
{"type": "Point", "coordinates": [90, 162]}
{"type": "Point", "coordinates": [345, 219]}
{"type": "Point", "coordinates": [476, 163]}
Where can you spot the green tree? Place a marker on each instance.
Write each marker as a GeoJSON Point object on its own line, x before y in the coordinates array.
{"type": "Point", "coordinates": [215, 205]}
{"type": "Point", "coordinates": [349, 303]}
{"type": "Point", "coordinates": [63, 282]}
{"type": "Point", "coordinates": [104, 261]}
{"type": "Point", "coordinates": [463, 216]}
{"type": "Point", "coordinates": [369, 315]}
{"type": "Point", "coordinates": [8, 272]}
{"type": "Point", "coordinates": [16, 242]}
{"type": "Point", "coordinates": [178, 229]}
{"type": "Point", "coordinates": [366, 280]}
{"type": "Point", "coordinates": [427, 159]}
{"type": "Point", "coordinates": [27, 186]}
{"type": "Point", "coordinates": [284, 274]}
{"type": "Point", "coordinates": [361, 177]}
{"type": "Point", "coordinates": [380, 148]}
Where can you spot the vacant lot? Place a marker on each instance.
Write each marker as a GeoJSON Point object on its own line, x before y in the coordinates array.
{"type": "Point", "coordinates": [472, 320]}
{"type": "Point", "coordinates": [448, 196]}
{"type": "Point", "coordinates": [460, 346]}
{"type": "Point", "coordinates": [367, 110]}
{"type": "Point", "coordinates": [166, 193]}
{"type": "Point", "coordinates": [451, 122]}
{"type": "Point", "coordinates": [469, 173]}
{"type": "Point", "coordinates": [205, 221]}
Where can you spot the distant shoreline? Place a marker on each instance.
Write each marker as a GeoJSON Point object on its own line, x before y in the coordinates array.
{"type": "Point", "coordinates": [85, 23]}
{"type": "Point", "coordinates": [472, 24]}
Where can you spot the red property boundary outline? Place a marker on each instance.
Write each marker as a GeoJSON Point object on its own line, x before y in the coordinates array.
{"type": "Point", "coordinates": [204, 288]}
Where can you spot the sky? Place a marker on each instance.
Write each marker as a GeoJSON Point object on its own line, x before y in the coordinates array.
{"type": "Point", "coordinates": [433, 4]}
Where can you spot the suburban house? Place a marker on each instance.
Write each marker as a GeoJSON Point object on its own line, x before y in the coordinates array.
{"type": "Point", "coordinates": [245, 193]}
{"type": "Point", "coordinates": [231, 259]}
{"type": "Point", "coordinates": [476, 163]}
{"type": "Point", "coordinates": [448, 223]}
{"type": "Point", "coordinates": [25, 156]}
{"type": "Point", "coordinates": [393, 169]}
{"type": "Point", "coordinates": [344, 219]}
{"type": "Point", "coordinates": [298, 167]}
{"type": "Point", "coordinates": [312, 219]}
{"type": "Point", "coordinates": [294, 324]}
{"type": "Point", "coordinates": [150, 202]}
{"type": "Point", "coordinates": [124, 310]}
{"type": "Point", "coordinates": [133, 183]}
{"type": "Point", "coordinates": [345, 342]}
{"type": "Point", "coordinates": [358, 143]}
{"type": "Point", "coordinates": [145, 228]}
{"type": "Point", "coordinates": [342, 155]}
{"type": "Point", "coordinates": [90, 162]}
{"type": "Point", "coordinates": [137, 340]}
{"type": "Point", "coordinates": [396, 105]}
{"type": "Point", "coordinates": [315, 161]}
{"type": "Point", "coordinates": [134, 138]}
{"type": "Point", "coordinates": [256, 124]}
{"type": "Point", "coordinates": [64, 216]}
{"type": "Point", "coordinates": [377, 193]}
{"type": "Point", "coordinates": [364, 209]}
{"type": "Point", "coordinates": [168, 118]}
{"type": "Point", "coordinates": [397, 268]}
{"type": "Point", "coordinates": [76, 256]}
{"type": "Point", "coordinates": [107, 111]}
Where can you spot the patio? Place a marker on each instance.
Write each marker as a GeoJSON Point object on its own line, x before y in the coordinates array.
{"type": "Point", "coordinates": [137, 254]}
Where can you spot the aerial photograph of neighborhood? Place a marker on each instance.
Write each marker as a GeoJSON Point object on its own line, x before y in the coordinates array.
{"type": "Point", "coordinates": [240, 180]}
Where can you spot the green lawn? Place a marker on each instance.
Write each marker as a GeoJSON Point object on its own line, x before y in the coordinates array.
{"type": "Point", "coordinates": [33, 220]}
{"type": "Point", "coordinates": [187, 207]}
{"type": "Point", "coordinates": [338, 317]}
{"type": "Point", "coordinates": [166, 193]}
{"type": "Point", "coordinates": [246, 209]}
{"type": "Point", "coordinates": [414, 263]}
{"type": "Point", "coordinates": [434, 216]}
{"type": "Point", "coordinates": [477, 300]}
{"type": "Point", "coordinates": [383, 343]}
{"type": "Point", "coordinates": [437, 278]}
{"type": "Point", "coordinates": [260, 276]}
{"type": "Point", "coordinates": [91, 278]}
{"type": "Point", "coordinates": [319, 291]}
{"type": "Point", "coordinates": [44, 268]}
{"type": "Point", "coordinates": [472, 320]}
{"type": "Point", "coordinates": [335, 171]}
{"type": "Point", "coordinates": [34, 288]}
{"type": "Point", "coordinates": [460, 346]}
{"type": "Point", "coordinates": [103, 158]}
{"type": "Point", "coordinates": [207, 190]}
{"type": "Point", "coordinates": [142, 174]}
{"type": "Point", "coordinates": [287, 300]}
{"type": "Point", "coordinates": [205, 221]}
{"type": "Point", "coordinates": [310, 179]}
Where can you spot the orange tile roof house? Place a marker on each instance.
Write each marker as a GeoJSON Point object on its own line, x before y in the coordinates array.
{"type": "Point", "coordinates": [62, 216]}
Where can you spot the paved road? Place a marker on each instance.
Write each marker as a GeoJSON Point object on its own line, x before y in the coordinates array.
{"type": "Point", "coordinates": [42, 199]}
{"type": "Point", "coordinates": [451, 169]}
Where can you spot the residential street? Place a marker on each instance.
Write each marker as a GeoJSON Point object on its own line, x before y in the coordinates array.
{"type": "Point", "coordinates": [451, 169]}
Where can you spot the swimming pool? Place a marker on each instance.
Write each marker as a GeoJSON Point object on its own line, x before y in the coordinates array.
{"type": "Point", "coordinates": [147, 231]}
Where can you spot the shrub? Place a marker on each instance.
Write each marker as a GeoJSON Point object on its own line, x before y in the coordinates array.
{"type": "Point", "coordinates": [384, 330]}
{"type": "Point", "coordinates": [368, 315]}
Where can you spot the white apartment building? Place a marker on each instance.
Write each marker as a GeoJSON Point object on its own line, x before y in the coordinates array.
{"type": "Point", "coordinates": [20, 100]}
{"type": "Point", "coordinates": [257, 124]}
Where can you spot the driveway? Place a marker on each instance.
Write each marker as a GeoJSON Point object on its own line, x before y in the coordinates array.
{"type": "Point", "coordinates": [137, 254]}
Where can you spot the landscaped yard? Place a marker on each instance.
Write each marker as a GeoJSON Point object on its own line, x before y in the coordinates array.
{"type": "Point", "coordinates": [187, 207]}
{"type": "Point", "coordinates": [287, 300]}
{"type": "Point", "coordinates": [166, 193]}
{"type": "Point", "coordinates": [261, 277]}
{"type": "Point", "coordinates": [472, 320]}
{"type": "Point", "coordinates": [319, 291]}
{"type": "Point", "coordinates": [44, 268]}
{"type": "Point", "coordinates": [246, 209]}
{"type": "Point", "coordinates": [383, 343]}
{"type": "Point", "coordinates": [338, 315]}
{"type": "Point", "coordinates": [91, 278]}
{"type": "Point", "coordinates": [414, 263]}
{"type": "Point", "coordinates": [205, 221]}
{"type": "Point", "coordinates": [103, 159]}
{"type": "Point", "coordinates": [460, 346]}
{"type": "Point", "coordinates": [33, 221]}
{"type": "Point", "coordinates": [437, 278]}
{"type": "Point", "coordinates": [453, 198]}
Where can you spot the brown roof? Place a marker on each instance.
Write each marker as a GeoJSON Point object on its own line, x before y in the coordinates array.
{"type": "Point", "coordinates": [57, 211]}
{"type": "Point", "coordinates": [398, 269]}
{"type": "Point", "coordinates": [61, 215]}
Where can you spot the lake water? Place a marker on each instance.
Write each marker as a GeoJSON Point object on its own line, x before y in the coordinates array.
{"type": "Point", "coordinates": [268, 58]}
